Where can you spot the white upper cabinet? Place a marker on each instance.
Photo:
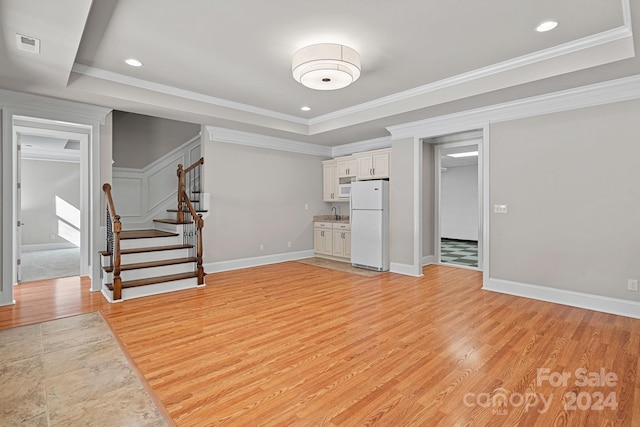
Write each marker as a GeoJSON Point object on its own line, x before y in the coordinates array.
{"type": "Point", "coordinates": [373, 164]}
{"type": "Point", "coordinates": [346, 166]}
{"type": "Point", "coordinates": [329, 180]}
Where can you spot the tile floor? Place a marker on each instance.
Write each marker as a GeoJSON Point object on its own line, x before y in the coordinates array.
{"type": "Point", "coordinates": [70, 372]}
{"type": "Point", "coordinates": [463, 252]}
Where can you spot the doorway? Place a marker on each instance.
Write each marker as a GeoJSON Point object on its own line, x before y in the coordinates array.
{"type": "Point", "coordinates": [458, 196]}
{"type": "Point", "coordinates": [52, 199]}
{"type": "Point", "coordinates": [49, 234]}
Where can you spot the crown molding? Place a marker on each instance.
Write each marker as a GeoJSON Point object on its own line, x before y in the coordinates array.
{"type": "Point", "coordinates": [595, 40]}
{"type": "Point", "coordinates": [356, 147]}
{"type": "Point", "coordinates": [408, 100]}
{"type": "Point", "coordinates": [262, 141]}
{"type": "Point", "coordinates": [618, 90]}
{"type": "Point", "coordinates": [43, 105]}
{"type": "Point", "coordinates": [182, 93]}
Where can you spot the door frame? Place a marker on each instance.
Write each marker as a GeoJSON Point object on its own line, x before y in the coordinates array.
{"type": "Point", "coordinates": [55, 112]}
{"type": "Point", "coordinates": [63, 132]}
{"type": "Point", "coordinates": [438, 148]}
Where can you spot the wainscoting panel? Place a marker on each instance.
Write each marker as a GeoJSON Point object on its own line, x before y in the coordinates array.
{"type": "Point", "coordinates": [141, 195]}
{"type": "Point", "coordinates": [163, 182]}
{"type": "Point", "coordinates": [127, 195]}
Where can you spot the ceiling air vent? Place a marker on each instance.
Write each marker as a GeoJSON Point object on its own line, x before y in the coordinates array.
{"type": "Point", "coordinates": [28, 44]}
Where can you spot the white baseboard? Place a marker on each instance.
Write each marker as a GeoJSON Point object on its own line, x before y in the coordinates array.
{"type": "Point", "coordinates": [406, 269]}
{"type": "Point", "coordinates": [47, 247]}
{"type": "Point", "coordinates": [236, 264]}
{"type": "Point", "coordinates": [560, 296]}
{"type": "Point", "coordinates": [428, 260]}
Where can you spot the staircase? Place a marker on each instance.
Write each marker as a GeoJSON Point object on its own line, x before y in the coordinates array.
{"type": "Point", "coordinates": [167, 258]}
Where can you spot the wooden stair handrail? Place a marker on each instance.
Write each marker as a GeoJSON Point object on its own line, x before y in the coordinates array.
{"type": "Point", "coordinates": [182, 173]}
{"type": "Point", "coordinates": [117, 228]}
{"type": "Point", "coordinates": [107, 191]}
{"type": "Point", "coordinates": [194, 165]}
{"type": "Point", "coordinates": [197, 218]}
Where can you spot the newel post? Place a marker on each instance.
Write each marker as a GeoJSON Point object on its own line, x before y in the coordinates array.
{"type": "Point", "coordinates": [117, 281]}
{"type": "Point", "coordinates": [199, 226]}
{"type": "Point", "coordinates": [181, 189]}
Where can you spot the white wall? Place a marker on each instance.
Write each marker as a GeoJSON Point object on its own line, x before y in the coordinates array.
{"type": "Point", "coordinates": [459, 203]}
{"type": "Point", "coordinates": [258, 196]}
{"type": "Point", "coordinates": [46, 188]}
{"type": "Point", "coordinates": [142, 195]}
{"type": "Point", "coordinates": [571, 181]}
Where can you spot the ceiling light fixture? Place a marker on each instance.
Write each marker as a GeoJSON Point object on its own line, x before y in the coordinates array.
{"type": "Point", "coordinates": [326, 66]}
{"type": "Point", "coordinates": [546, 26]}
{"type": "Point", "coordinates": [133, 62]}
{"type": "Point", "coordinates": [305, 108]}
{"type": "Point", "coordinates": [467, 154]}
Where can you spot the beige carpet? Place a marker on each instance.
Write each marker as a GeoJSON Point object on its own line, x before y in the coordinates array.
{"type": "Point", "coordinates": [50, 264]}
{"type": "Point", "coordinates": [70, 372]}
{"type": "Point", "coordinates": [340, 266]}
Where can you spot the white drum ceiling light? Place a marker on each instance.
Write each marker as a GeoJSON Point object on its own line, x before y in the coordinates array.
{"type": "Point", "coordinates": [326, 66]}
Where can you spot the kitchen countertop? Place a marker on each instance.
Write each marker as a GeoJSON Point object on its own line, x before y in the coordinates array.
{"type": "Point", "coordinates": [331, 218]}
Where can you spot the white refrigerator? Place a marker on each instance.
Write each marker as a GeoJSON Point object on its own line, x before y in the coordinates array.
{"type": "Point", "coordinates": [370, 224]}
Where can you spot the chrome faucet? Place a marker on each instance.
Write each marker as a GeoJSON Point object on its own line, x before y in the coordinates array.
{"type": "Point", "coordinates": [335, 212]}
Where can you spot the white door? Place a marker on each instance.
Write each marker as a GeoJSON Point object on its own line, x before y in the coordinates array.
{"type": "Point", "coordinates": [18, 208]}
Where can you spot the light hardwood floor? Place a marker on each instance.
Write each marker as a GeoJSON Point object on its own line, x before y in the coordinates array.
{"type": "Point", "coordinates": [294, 344]}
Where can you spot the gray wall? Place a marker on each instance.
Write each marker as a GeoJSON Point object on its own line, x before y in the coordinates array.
{"type": "Point", "coordinates": [428, 199]}
{"type": "Point", "coordinates": [139, 140]}
{"type": "Point", "coordinates": [572, 185]}
{"type": "Point", "coordinates": [42, 181]}
{"type": "Point", "coordinates": [459, 203]}
{"type": "Point", "coordinates": [401, 202]}
{"type": "Point", "coordinates": [258, 196]}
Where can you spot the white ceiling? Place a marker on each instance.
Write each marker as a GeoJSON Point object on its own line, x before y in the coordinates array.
{"type": "Point", "coordinates": [228, 64]}
{"type": "Point", "coordinates": [49, 148]}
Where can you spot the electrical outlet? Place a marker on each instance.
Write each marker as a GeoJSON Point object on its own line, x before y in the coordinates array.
{"type": "Point", "coordinates": [288, 244]}
{"type": "Point", "coordinates": [261, 247]}
{"type": "Point", "coordinates": [52, 236]}
{"type": "Point", "coordinates": [500, 209]}
{"type": "Point", "coordinates": [632, 284]}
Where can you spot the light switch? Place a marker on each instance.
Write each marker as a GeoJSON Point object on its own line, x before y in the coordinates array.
{"type": "Point", "coordinates": [500, 209]}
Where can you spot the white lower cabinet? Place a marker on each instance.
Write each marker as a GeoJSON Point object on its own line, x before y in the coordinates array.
{"type": "Point", "coordinates": [332, 239]}
{"type": "Point", "coordinates": [342, 243]}
{"type": "Point", "coordinates": [323, 240]}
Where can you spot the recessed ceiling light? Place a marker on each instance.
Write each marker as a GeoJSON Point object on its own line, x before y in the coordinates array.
{"type": "Point", "coordinates": [546, 26]}
{"type": "Point", "coordinates": [305, 108]}
{"type": "Point", "coordinates": [133, 62]}
{"type": "Point", "coordinates": [467, 154]}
